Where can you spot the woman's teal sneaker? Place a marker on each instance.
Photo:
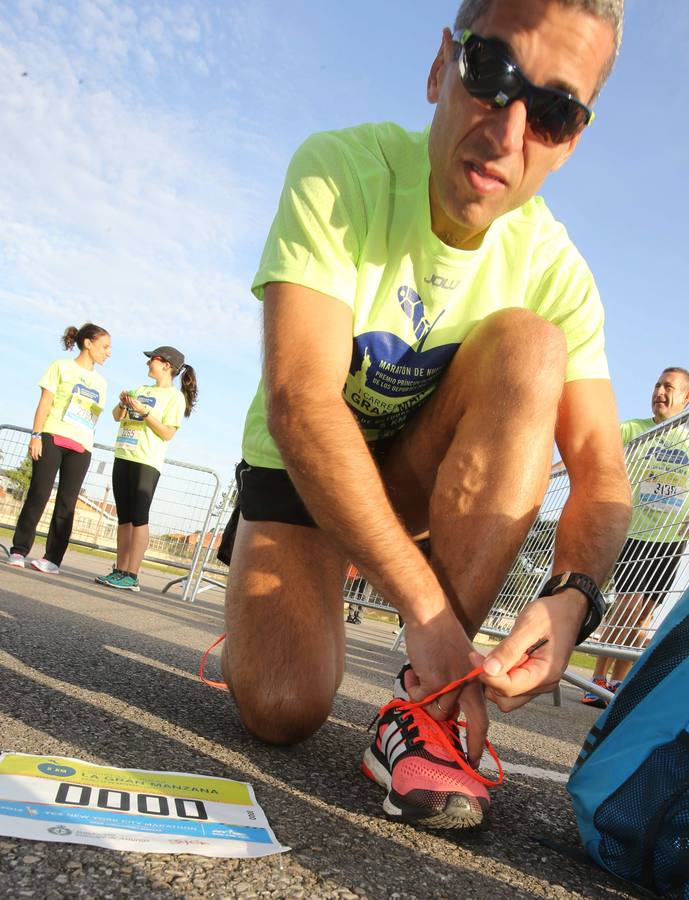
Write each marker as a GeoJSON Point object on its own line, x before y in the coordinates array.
{"type": "Point", "coordinates": [125, 582]}
{"type": "Point", "coordinates": [106, 579]}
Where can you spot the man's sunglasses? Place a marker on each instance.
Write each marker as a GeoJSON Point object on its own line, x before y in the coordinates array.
{"type": "Point", "coordinates": [489, 75]}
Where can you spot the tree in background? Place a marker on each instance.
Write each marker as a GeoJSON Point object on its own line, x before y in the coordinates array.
{"type": "Point", "coordinates": [21, 476]}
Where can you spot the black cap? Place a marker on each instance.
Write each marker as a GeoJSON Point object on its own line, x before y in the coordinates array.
{"type": "Point", "coordinates": [169, 354]}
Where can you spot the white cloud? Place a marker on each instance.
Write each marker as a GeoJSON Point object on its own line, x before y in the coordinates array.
{"type": "Point", "coordinates": [108, 197]}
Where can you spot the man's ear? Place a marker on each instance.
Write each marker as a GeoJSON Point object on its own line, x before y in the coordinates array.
{"type": "Point", "coordinates": [444, 54]}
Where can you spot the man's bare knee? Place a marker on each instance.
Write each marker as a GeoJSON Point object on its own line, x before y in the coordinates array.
{"type": "Point", "coordinates": [282, 719]}
{"type": "Point", "coordinates": [526, 336]}
{"type": "Point", "coordinates": [527, 354]}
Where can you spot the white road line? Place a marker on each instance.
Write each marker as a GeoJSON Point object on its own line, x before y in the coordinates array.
{"type": "Point", "coordinates": [487, 762]}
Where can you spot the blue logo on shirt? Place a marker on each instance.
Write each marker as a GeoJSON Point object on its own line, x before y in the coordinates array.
{"type": "Point", "coordinates": [90, 393]}
{"type": "Point", "coordinates": [386, 364]}
{"type": "Point", "coordinates": [676, 457]}
{"type": "Point", "coordinates": [147, 401]}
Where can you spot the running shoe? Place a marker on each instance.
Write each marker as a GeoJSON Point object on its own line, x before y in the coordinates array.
{"type": "Point", "coordinates": [591, 699]}
{"type": "Point", "coordinates": [423, 766]}
{"type": "Point", "coordinates": [16, 560]}
{"type": "Point", "coordinates": [45, 565]}
{"type": "Point", "coordinates": [105, 579]}
{"type": "Point", "coordinates": [125, 581]}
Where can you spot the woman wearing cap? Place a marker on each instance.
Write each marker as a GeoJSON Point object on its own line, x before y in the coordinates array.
{"type": "Point", "coordinates": [149, 417]}
{"type": "Point", "coordinates": [72, 398]}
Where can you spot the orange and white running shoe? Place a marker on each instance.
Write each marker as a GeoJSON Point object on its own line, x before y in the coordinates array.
{"type": "Point", "coordinates": [424, 768]}
{"type": "Point", "coordinates": [591, 699]}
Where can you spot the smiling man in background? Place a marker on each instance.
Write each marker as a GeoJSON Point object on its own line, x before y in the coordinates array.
{"type": "Point", "coordinates": [659, 470]}
{"type": "Point", "coordinates": [429, 330]}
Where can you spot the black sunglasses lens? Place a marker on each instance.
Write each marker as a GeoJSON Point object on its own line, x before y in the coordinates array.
{"type": "Point", "coordinates": [555, 119]}
{"type": "Point", "coordinates": [488, 72]}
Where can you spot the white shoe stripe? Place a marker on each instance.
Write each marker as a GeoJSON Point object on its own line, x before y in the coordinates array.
{"type": "Point", "coordinates": [391, 732]}
{"type": "Point", "coordinates": [397, 751]}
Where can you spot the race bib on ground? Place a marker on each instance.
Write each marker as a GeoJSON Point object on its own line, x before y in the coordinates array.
{"type": "Point", "coordinates": [49, 798]}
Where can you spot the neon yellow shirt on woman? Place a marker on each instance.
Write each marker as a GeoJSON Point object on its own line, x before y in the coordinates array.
{"type": "Point", "coordinates": [136, 440]}
{"type": "Point", "coordinates": [354, 222]}
{"type": "Point", "coordinates": [78, 400]}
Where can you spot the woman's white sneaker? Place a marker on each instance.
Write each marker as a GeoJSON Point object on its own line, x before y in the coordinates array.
{"type": "Point", "coordinates": [16, 560]}
{"type": "Point", "coordinates": [45, 566]}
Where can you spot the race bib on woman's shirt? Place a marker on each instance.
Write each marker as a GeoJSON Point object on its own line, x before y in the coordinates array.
{"type": "Point", "coordinates": [83, 408]}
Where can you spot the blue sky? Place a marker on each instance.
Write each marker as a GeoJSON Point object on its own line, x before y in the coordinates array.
{"type": "Point", "coordinates": [144, 146]}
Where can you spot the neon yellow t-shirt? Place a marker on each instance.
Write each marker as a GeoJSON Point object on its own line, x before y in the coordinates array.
{"type": "Point", "coordinates": [659, 473]}
{"type": "Point", "coordinates": [354, 222]}
{"type": "Point", "coordinates": [79, 398]}
{"type": "Point", "coordinates": [135, 440]}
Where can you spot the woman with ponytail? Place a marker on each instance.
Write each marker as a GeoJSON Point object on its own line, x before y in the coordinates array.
{"type": "Point", "coordinates": [72, 398]}
{"type": "Point", "coordinates": [149, 417]}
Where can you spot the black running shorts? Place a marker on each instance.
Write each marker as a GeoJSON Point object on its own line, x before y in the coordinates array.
{"type": "Point", "coordinates": [647, 567]}
{"type": "Point", "coordinates": [133, 486]}
{"type": "Point", "coordinates": [268, 495]}
{"type": "Point", "coordinates": [264, 495]}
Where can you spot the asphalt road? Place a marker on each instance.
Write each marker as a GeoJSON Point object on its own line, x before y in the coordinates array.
{"type": "Point", "coordinates": [111, 677]}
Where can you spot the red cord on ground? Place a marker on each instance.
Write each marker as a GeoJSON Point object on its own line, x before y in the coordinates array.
{"type": "Point", "coordinates": [221, 685]}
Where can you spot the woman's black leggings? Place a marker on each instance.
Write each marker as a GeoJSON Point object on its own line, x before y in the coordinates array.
{"type": "Point", "coordinates": [72, 467]}
{"type": "Point", "coordinates": [133, 487]}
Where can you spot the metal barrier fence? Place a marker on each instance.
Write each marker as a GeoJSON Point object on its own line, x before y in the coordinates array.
{"type": "Point", "coordinates": [184, 504]}
{"type": "Point", "coordinates": [209, 571]}
{"type": "Point", "coordinates": [649, 576]}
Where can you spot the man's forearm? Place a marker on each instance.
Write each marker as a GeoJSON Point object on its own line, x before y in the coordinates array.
{"type": "Point", "coordinates": [335, 475]}
{"type": "Point", "coordinates": [593, 527]}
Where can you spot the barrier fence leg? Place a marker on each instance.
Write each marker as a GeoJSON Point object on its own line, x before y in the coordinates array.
{"type": "Point", "coordinates": [587, 685]}
{"type": "Point", "coordinates": [398, 639]}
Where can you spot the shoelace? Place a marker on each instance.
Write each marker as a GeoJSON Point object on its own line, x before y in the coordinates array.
{"type": "Point", "coordinates": [439, 731]}
{"type": "Point", "coordinates": [445, 733]}
{"type": "Point", "coordinates": [220, 685]}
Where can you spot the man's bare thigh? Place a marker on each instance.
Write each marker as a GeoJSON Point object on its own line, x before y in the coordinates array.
{"type": "Point", "coordinates": [284, 592]}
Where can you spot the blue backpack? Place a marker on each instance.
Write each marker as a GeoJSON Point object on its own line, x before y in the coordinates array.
{"type": "Point", "coordinates": [630, 784]}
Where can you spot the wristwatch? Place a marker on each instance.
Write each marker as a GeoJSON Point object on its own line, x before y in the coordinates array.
{"type": "Point", "coordinates": [36, 434]}
{"type": "Point", "coordinates": [588, 587]}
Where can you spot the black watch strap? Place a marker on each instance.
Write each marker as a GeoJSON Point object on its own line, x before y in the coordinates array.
{"type": "Point", "coordinates": [588, 587]}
